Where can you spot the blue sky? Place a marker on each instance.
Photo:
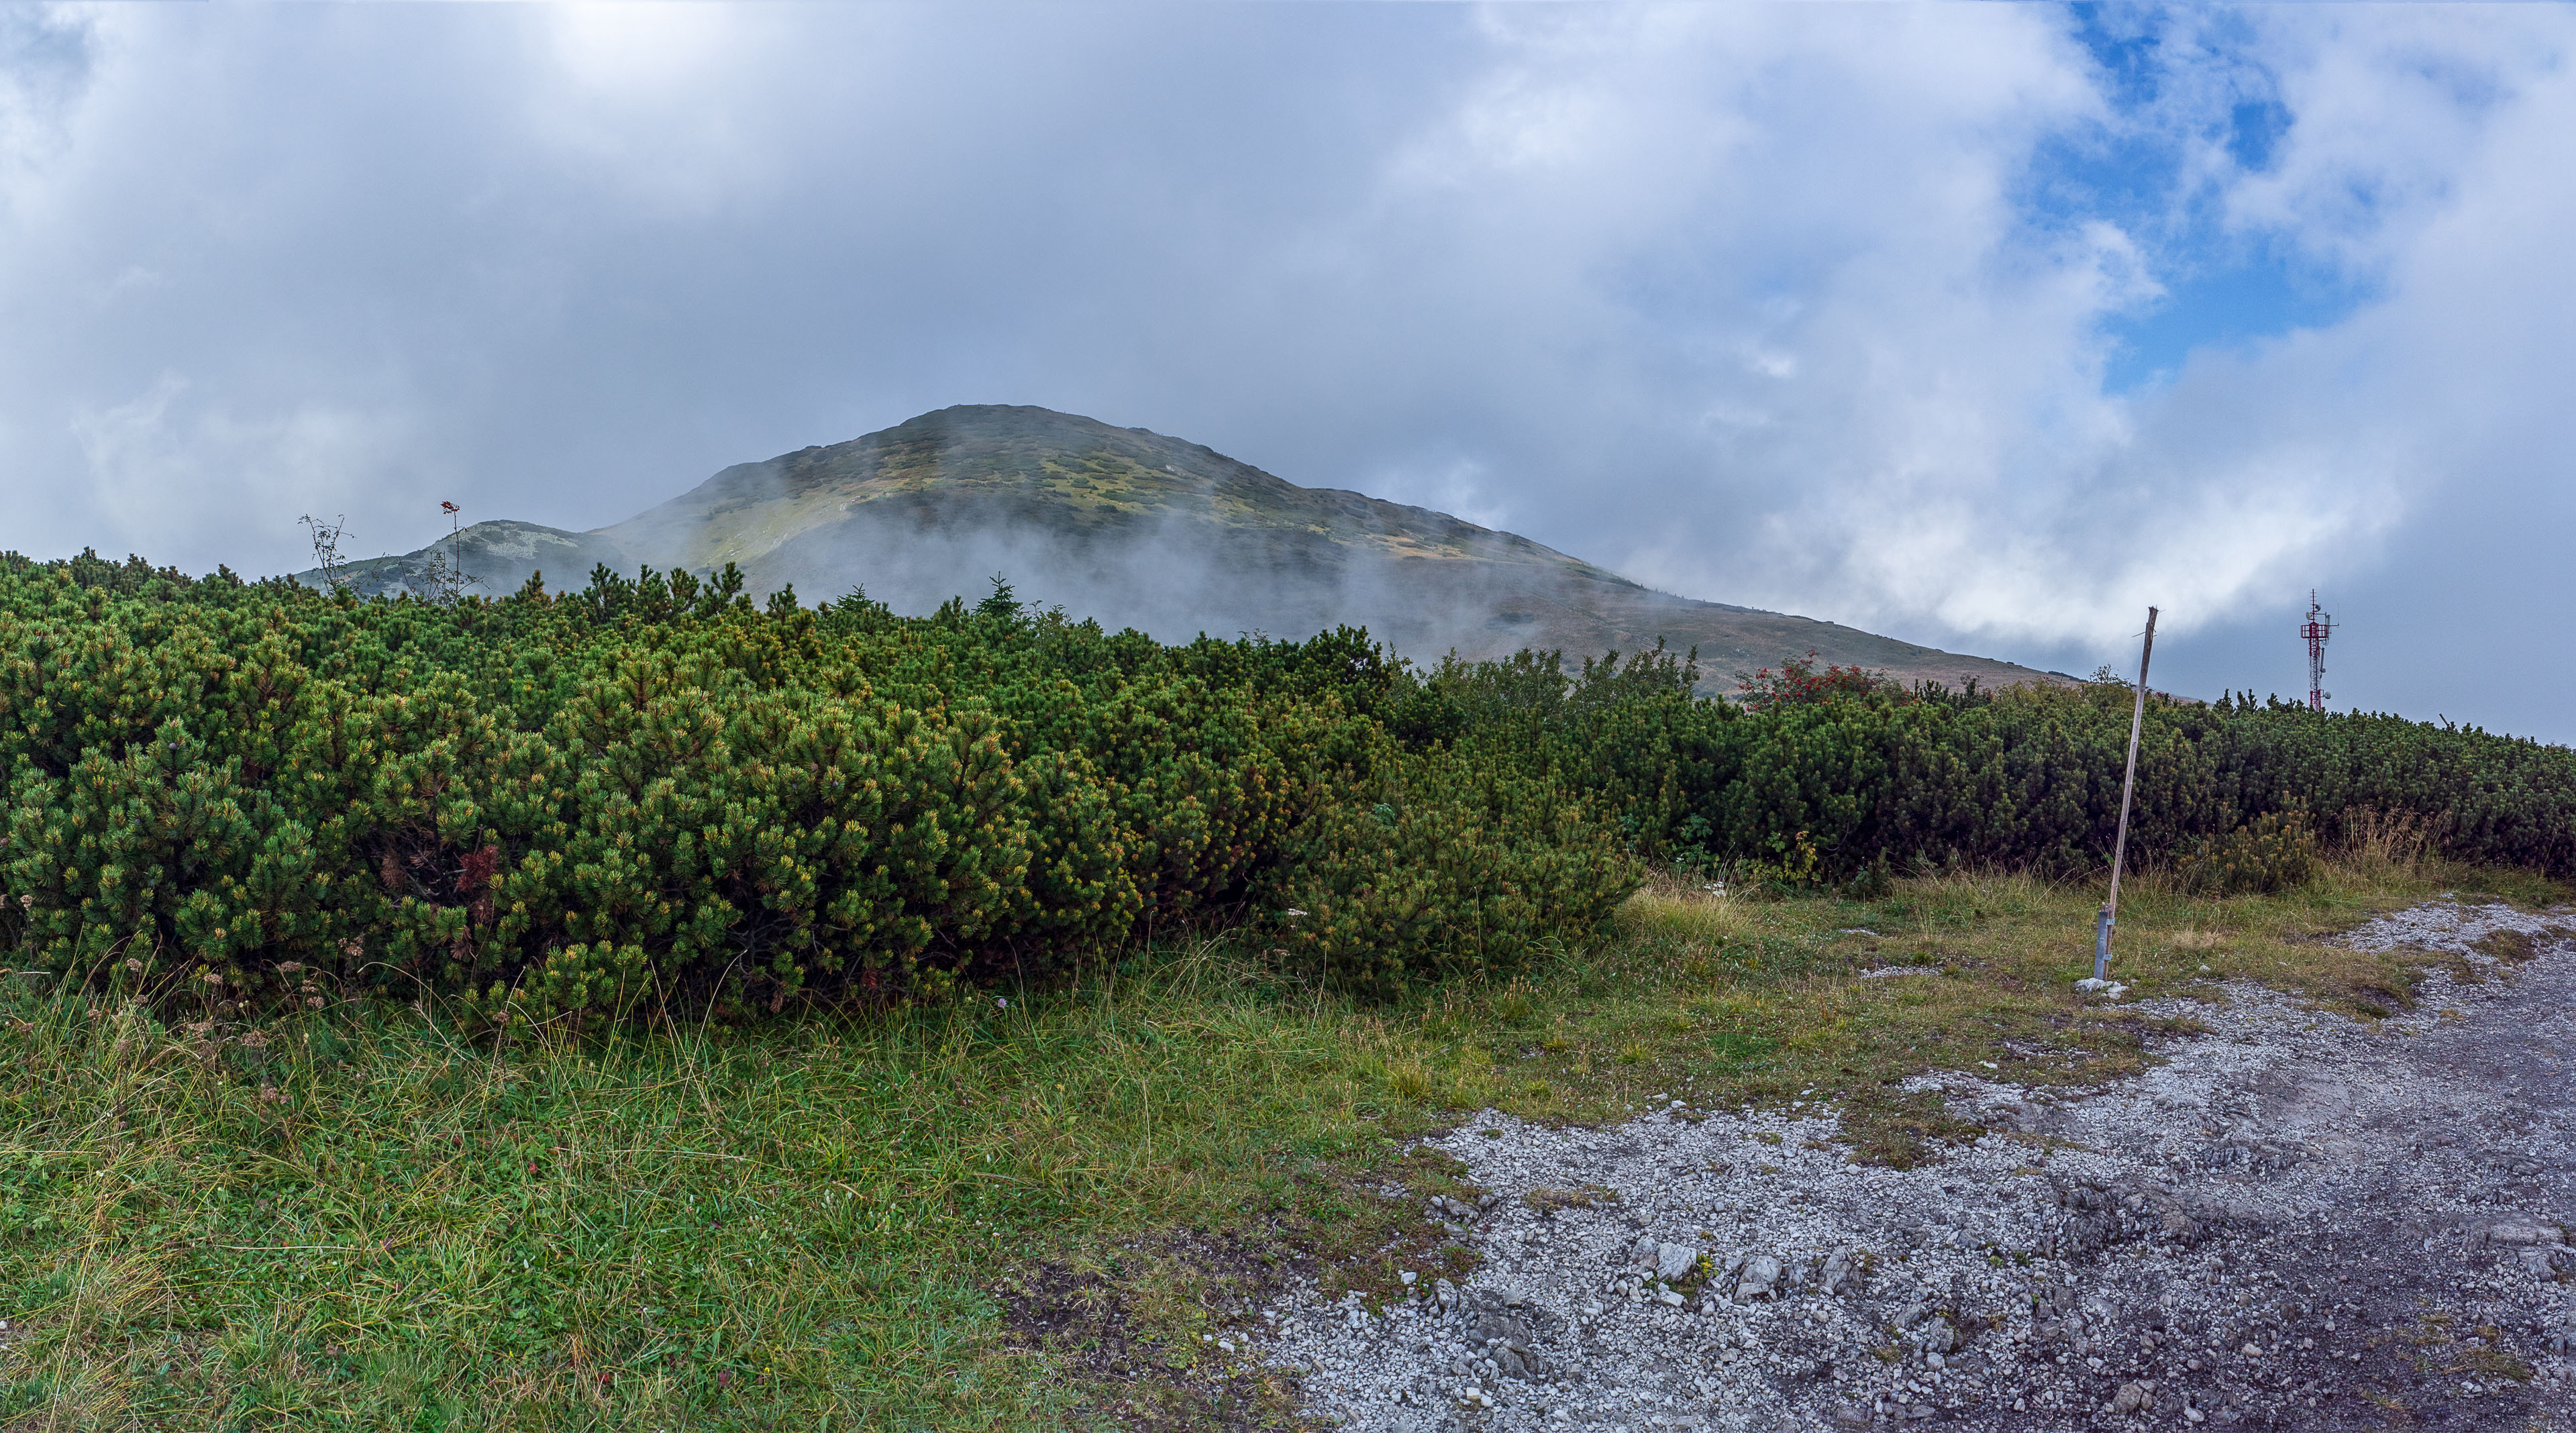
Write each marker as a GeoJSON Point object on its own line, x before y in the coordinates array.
{"type": "Point", "coordinates": [2170, 86]}
{"type": "Point", "coordinates": [1985, 326]}
{"type": "Point", "coordinates": [2222, 296]}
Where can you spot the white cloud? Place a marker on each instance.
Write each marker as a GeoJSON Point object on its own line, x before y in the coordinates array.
{"type": "Point", "coordinates": [44, 67]}
{"type": "Point", "coordinates": [640, 45]}
{"type": "Point", "coordinates": [1917, 436]}
{"type": "Point", "coordinates": [176, 473]}
{"type": "Point", "coordinates": [660, 100]}
{"type": "Point", "coordinates": [1771, 304]}
{"type": "Point", "coordinates": [1459, 487]}
{"type": "Point", "coordinates": [2389, 104]}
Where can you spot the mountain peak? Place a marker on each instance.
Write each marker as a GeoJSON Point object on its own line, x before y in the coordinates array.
{"type": "Point", "coordinates": [972, 466]}
{"type": "Point", "coordinates": [1141, 529]}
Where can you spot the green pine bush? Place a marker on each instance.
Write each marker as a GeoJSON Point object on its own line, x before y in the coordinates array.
{"type": "Point", "coordinates": [553, 807]}
{"type": "Point", "coordinates": [2273, 852]}
{"type": "Point", "coordinates": [574, 807]}
{"type": "Point", "coordinates": [1460, 869]}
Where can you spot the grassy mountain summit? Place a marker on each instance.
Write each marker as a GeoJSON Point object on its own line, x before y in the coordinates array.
{"type": "Point", "coordinates": [965, 468]}
{"type": "Point", "coordinates": [1139, 529]}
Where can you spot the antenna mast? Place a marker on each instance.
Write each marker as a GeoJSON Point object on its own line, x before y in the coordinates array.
{"type": "Point", "coordinates": [2318, 627]}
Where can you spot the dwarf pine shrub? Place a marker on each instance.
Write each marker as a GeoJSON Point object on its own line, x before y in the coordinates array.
{"type": "Point", "coordinates": [1463, 869]}
{"type": "Point", "coordinates": [651, 789]}
{"type": "Point", "coordinates": [2274, 851]}
{"type": "Point", "coordinates": [545, 805]}
{"type": "Point", "coordinates": [1874, 776]}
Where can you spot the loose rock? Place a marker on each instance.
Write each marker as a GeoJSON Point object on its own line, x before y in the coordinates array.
{"type": "Point", "coordinates": [2255, 1233]}
{"type": "Point", "coordinates": [1674, 1262]}
{"type": "Point", "coordinates": [1757, 1279]}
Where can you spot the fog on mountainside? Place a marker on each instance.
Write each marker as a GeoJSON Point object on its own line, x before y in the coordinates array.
{"type": "Point", "coordinates": [1140, 530]}
{"type": "Point", "coordinates": [491, 559]}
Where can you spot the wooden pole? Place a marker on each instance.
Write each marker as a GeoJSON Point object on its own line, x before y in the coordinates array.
{"type": "Point", "coordinates": [2128, 788]}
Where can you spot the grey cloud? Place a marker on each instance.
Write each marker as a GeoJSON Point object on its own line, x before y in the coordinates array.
{"type": "Point", "coordinates": [1747, 302]}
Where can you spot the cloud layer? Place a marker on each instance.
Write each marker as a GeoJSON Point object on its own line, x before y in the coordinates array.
{"type": "Point", "coordinates": [1985, 326]}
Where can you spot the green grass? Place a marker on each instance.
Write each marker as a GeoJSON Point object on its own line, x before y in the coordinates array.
{"type": "Point", "coordinates": [978, 1216]}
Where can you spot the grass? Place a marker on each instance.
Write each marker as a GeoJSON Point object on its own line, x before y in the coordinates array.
{"type": "Point", "coordinates": [1039, 1213]}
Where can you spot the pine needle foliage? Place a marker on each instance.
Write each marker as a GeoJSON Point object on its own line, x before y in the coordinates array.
{"type": "Point", "coordinates": [654, 792]}
{"type": "Point", "coordinates": [651, 789]}
{"type": "Point", "coordinates": [1876, 777]}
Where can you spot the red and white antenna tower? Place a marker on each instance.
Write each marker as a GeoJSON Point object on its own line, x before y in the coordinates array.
{"type": "Point", "coordinates": [2317, 629]}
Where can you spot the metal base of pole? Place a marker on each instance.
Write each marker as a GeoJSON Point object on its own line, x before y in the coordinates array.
{"type": "Point", "coordinates": [2101, 981]}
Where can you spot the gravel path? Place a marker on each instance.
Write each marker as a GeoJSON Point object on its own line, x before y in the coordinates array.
{"type": "Point", "coordinates": [2297, 1221]}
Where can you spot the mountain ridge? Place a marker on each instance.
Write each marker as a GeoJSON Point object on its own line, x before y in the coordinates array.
{"type": "Point", "coordinates": [1142, 529]}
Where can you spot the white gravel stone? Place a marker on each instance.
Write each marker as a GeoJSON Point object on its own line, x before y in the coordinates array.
{"type": "Point", "coordinates": [2286, 1179]}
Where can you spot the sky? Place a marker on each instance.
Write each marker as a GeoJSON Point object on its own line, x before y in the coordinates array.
{"type": "Point", "coordinates": [1984, 326]}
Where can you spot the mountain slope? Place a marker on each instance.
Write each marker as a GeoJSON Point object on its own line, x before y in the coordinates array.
{"type": "Point", "coordinates": [495, 558]}
{"type": "Point", "coordinates": [1139, 529]}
